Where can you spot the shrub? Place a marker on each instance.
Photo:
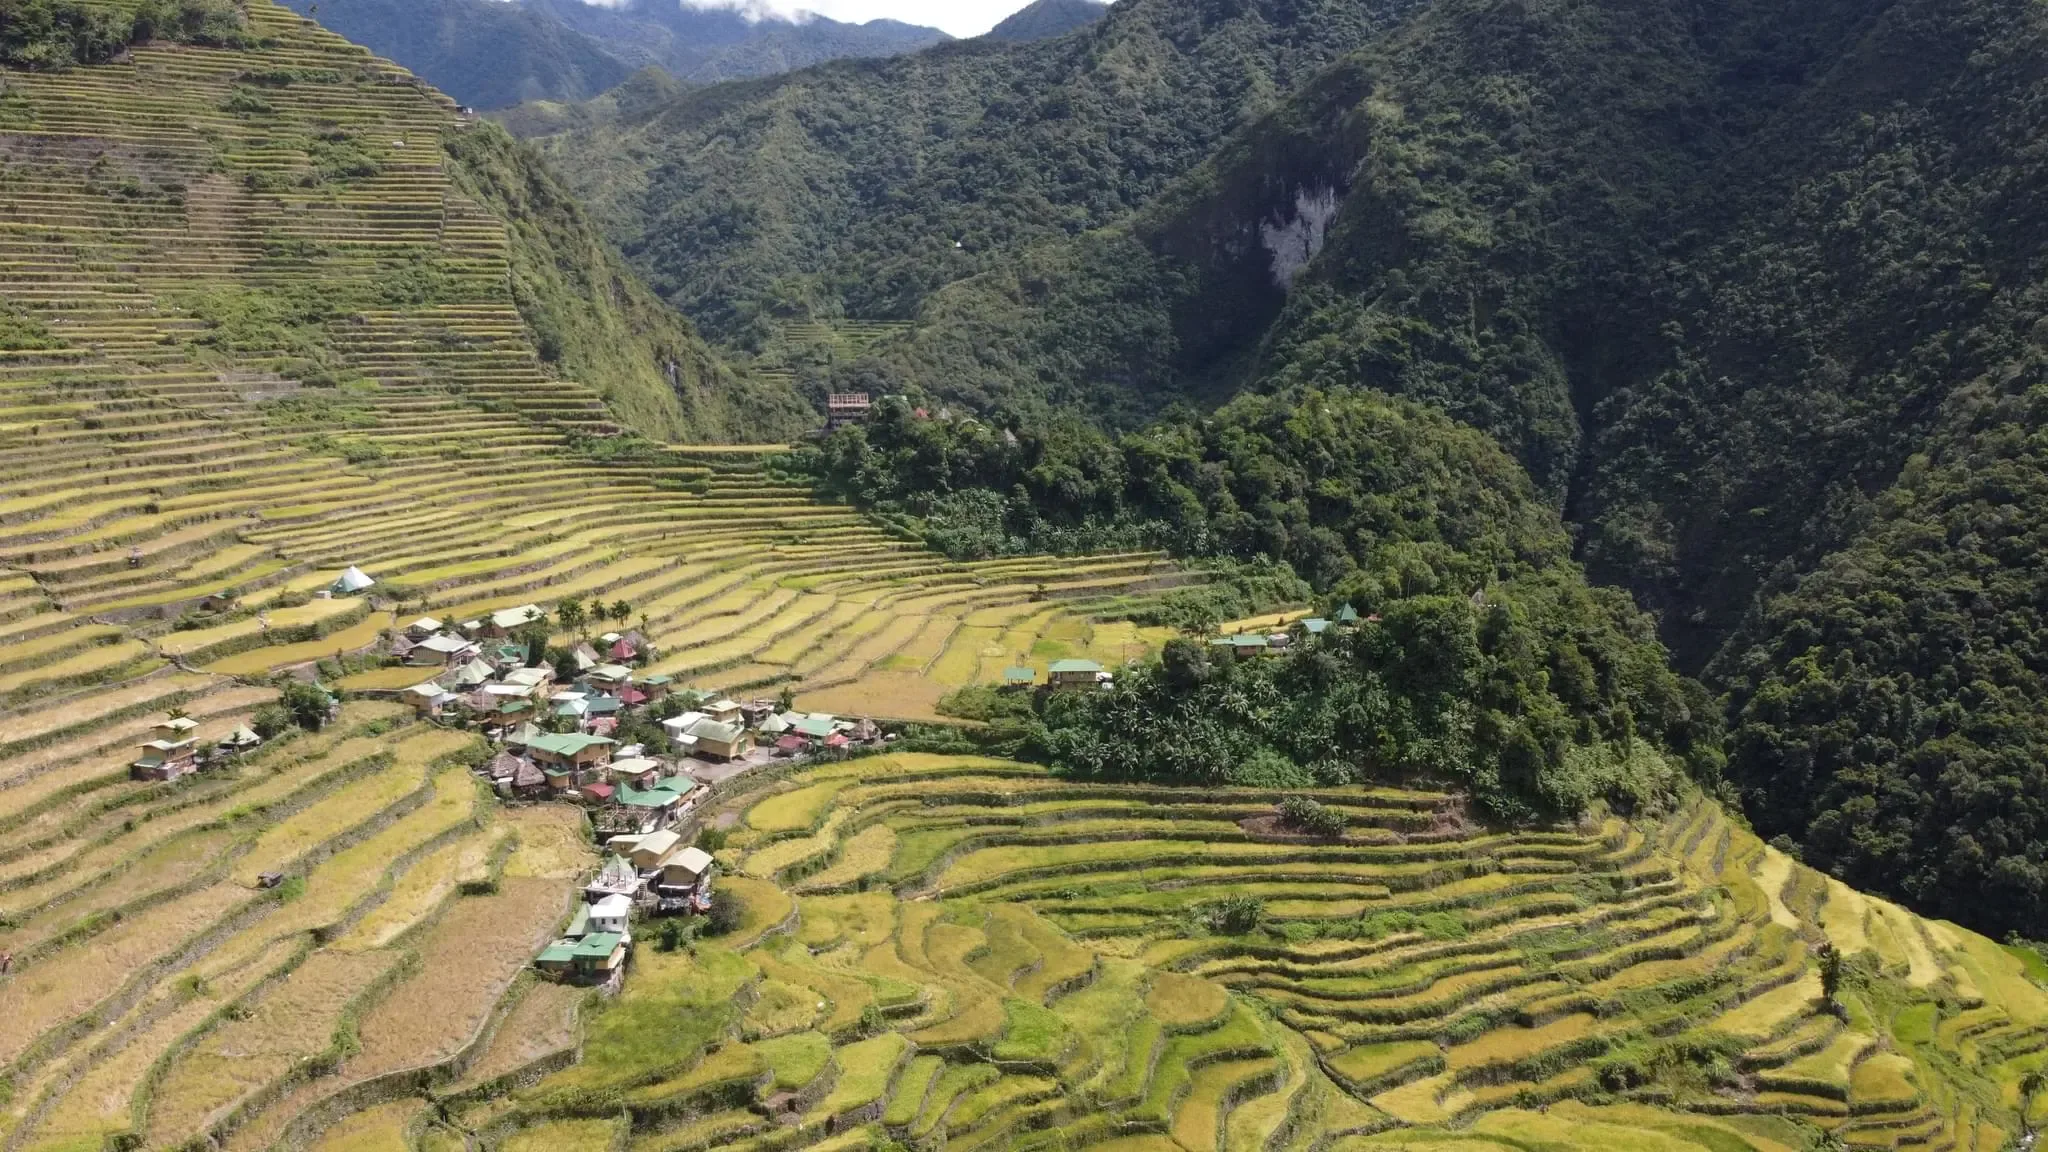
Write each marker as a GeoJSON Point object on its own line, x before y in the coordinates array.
{"type": "Point", "coordinates": [725, 915]}
{"type": "Point", "coordinates": [1235, 916]}
{"type": "Point", "coordinates": [711, 839]}
{"type": "Point", "coordinates": [270, 721]}
{"type": "Point", "coordinates": [1307, 815]}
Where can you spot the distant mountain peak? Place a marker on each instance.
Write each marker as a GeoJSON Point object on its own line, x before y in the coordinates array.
{"type": "Point", "coordinates": [499, 53]}
{"type": "Point", "coordinates": [1045, 19]}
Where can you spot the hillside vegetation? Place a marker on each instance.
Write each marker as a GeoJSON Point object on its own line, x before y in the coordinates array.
{"type": "Point", "coordinates": [857, 188]}
{"type": "Point", "coordinates": [1752, 293]}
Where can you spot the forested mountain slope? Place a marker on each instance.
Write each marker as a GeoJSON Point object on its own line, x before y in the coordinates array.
{"type": "Point", "coordinates": [1719, 279]}
{"type": "Point", "coordinates": [859, 187]}
{"type": "Point", "coordinates": [1044, 19]}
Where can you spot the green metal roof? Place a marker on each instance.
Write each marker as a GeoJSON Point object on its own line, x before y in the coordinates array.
{"type": "Point", "coordinates": [813, 727]}
{"type": "Point", "coordinates": [1315, 624]}
{"type": "Point", "coordinates": [713, 730]}
{"type": "Point", "coordinates": [659, 796]}
{"type": "Point", "coordinates": [1347, 615]}
{"type": "Point", "coordinates": [557, 953]}
{"type": "Point", "coordinates": [567, 743]}
{"type": "Point", "coordinates": [1249, 641]}
{"type": "Point", "coordinates": [1019, 674]}
{"type": "Point", "coordinates": [596, 946]}
{"type": "Point", "coordinates": [1059, 666]}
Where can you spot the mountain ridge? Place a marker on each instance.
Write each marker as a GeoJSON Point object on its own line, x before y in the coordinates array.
{"type": "Point", "coordinates": [494, 54]}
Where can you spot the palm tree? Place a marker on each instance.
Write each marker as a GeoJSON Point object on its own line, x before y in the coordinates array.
{"type": "Point", "coordinates": [570, 613]}
{"type": "Point", "coordinates": [621, 612]}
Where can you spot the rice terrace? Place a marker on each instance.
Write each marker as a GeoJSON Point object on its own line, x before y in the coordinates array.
{"type": "Point", "coordinates": [332, 610]}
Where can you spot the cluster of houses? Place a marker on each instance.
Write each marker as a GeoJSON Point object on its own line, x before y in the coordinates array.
{"type": "Point", "coordinates": [172, 752]}
{"type": "Point", "coordinates": [560, 738]}
{"type": "Point", "coordinates": [1279, 643]}
{"type": "Point", "coordinates": [643, 872]}
{"type": "Point", "coordinates": [1061, 675]}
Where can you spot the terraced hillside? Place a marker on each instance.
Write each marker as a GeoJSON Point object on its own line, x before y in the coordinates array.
{"type": "Point", "coordinates": [974, 954]}
{"type": "Point", "coordinates": [158, 989]}
{"type": "Point", "coordinates": [253, 334]}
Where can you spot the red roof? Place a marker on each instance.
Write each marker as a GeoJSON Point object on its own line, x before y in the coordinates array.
{"type": "Point", "coordinates": [836, 740]}
{"type": "Point", "coordinates": [598, 791]}
{"type": "Point", "coordinates": [632, 696]}
{"type": "Point", "coordinates": [791, 743]}
{"type": "Point", "coordinates": [623, 650]}
{"type": "Point", "coordinates": [603, 725]}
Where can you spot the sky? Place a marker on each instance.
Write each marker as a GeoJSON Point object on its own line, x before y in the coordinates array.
{"type": "Point", "coordinates": [959, 17]}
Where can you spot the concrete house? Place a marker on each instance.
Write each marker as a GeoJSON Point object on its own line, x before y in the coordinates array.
{"type": "Point", "coordinates": [612, 914]}
{"type": "Point", "coordinates": [1074, 674]}
{"type": "Point", "coordinates": [510, 620]}
{"type": "Point", "coordinates": [163, 759]}
{"type": "Point", "coordinates": [594, 959]}
{"type": "Point", "coordinates": [572, 752]}
{"type": "Point", "coordinates": [721, 741]}
{"type": "Point", "coordinates": [444, 649]}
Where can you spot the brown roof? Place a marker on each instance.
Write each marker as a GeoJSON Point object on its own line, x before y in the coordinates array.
{"type": "Point", "coordinates": [528, 776]}
{"type": "Point", "coordinates": [505, 765]}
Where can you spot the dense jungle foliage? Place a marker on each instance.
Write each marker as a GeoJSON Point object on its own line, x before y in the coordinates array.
{"type": "Point", "coordinates": [1492, 663]}
{"type": "Point", "coordinates": [859, 187]}
{"type": "Point", "coordinates": [598, 324]}
{"type": "Point", "coordinates": [52, 35]}
{"type": "Point", "coordinates": [1752, 291]}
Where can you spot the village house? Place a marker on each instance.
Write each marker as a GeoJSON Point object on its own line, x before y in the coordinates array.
{"type": "Point", "coordinates": [501, 624]}
{"type": "Point", "coordinates": [595, 959]}
{"type": "Point", "coordinates": [535, 680]}
{"type": "Point", "coordinates": [428, 699]}
{"type": "Point", "coordinates": [474, 674]}
{"type": "Point", "coordinates": [239, 741]}
{"type": "Point", "coordinates": [612, 914]}
{"type": "Point", "coordinates": [164, 759]}
{"type": "Point", "coordinates": [610, 677]}
{"type": "Point", "coordinates": [529, 782]}
{"type": "Point", "coordinates": [656, 687]}
{"type": "Point", "coordinates": [1019, 676]}
{"type": "Point", "coordinates": [686, 879]}
{"type": "Point", "coordinates": [678, 728]}
{"type": "Point", "coordinates": [1074, 674]}
{"type": "Point", "coordinates": [637, 771]}
{"type": "Point", "coordinates": [815, 726]}
{"type": "Point", "coordinates": [724, 711]}
{"type": "Point", "coordinates": [572, 753]}
{"type": "Point", "coordinates": [423, 627]}
{"type": "Point", "coordinates": [649, 851]}
{"type": "Point", "coordinates": [720, 741]}
{"type": "Point", "coordinates": [444, 649]}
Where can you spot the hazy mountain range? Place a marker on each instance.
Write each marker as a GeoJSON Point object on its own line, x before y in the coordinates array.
{"type": "Point", "coordinates": [497, 53]}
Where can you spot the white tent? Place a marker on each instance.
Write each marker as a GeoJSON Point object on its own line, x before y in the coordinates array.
{"type": "Point", "coordinates": [353, 579]}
